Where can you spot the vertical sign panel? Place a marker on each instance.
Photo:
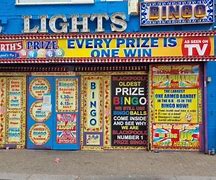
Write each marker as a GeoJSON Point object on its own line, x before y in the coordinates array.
{"type": "Point", "coordinates": [176, 106]}
{"type": "Point", "coordinates": [40, 113]}
{"type": "Point", "coordinates": [16, 117]}
{"type": "Point", "coordinates": [67, 95]}
{"type": "Point", "coordinates": [2, 110]}
{"type": "Point", "coordinates": [93, 112]}
{"type": "Point", "coordinates": [129, 110]}
{"type": "Point", "coordinates": [67, 113]}
{"type": "Point", "coordinates": [176, 136]}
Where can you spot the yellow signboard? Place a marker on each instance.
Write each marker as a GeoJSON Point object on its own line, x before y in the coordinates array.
{"type": "Point", "coordinates": [175, 106]}
{"type": "Point", "coordinates": [121, 46]}
{"type": "Point", "coordinates": [93, 103]}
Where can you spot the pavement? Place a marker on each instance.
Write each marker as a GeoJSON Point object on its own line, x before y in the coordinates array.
{"type": "Point", "coordinates": [105, 165]}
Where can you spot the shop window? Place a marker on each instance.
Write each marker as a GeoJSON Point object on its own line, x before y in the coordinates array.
{"type": "Point", "coordinates": [39, 2]}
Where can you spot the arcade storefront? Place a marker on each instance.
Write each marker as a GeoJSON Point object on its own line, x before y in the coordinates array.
{"type": "Point", "coordinates": [95, 92]}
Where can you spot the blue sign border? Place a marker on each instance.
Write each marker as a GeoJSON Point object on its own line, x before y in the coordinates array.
{"type": "Point", "coordinates": [144, 7]}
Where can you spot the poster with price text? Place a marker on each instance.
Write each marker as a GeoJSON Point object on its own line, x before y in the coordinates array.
{"type": "Point", "coordinates": [67, 95]}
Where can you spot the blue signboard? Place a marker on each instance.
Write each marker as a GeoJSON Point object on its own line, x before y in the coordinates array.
{"type": "Point", "coordinates": [176, 12]}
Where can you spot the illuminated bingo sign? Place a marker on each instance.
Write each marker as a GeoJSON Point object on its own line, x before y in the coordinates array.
{"type": "Point", "coordinates": [176, 12]}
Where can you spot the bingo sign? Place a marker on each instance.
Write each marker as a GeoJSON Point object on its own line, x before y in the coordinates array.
{"type": "Point", "coordinates": [176, 136]}
{"type": "Point", "coordinates": [39, 134]}
{"type": "Point", "coordinates": [129, 110]}
{"type": "Point", "coordinates": [67, 95]}
{"type": "Point", "coordinates": [39, 87]}
{"type": "Point", "coordinates": [99, 47]}
{"type": "Point", "coordinates": [176, 12]}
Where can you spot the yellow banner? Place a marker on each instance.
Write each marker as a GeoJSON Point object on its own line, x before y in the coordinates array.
{"type": "Point", "coordinates": [116, 47]}
{"type": "Point", "coordinates": [175, 106]}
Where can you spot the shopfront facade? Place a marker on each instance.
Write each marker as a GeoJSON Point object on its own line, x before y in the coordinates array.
{"type": "Point", "coordinates": [113, 89]}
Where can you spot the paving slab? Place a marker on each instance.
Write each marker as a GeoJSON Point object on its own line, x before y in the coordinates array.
{"type": "Point", "coordinates": [47, 164]}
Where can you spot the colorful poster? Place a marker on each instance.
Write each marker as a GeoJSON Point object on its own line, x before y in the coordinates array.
{"type": "Point", "coordinates": [15, 93]}
{"type": "Point", "coordinates": [39, 134]}
{"type": "Point", "coordinates": [66, 128]}
{"type": "Point", "coordinates": [175, 106]}
{"type": "Point", "coordinates": [129, 110]}
{"type": "Point", "coordinates": [175, 136]}
{"type": "Point", "coordinates": [38, 87]}
{"type": "Point", "coordinates": [122, 46]}
{"type": "Point", "coordinates": [37, 112]}
{"type": "Point", "coordinates": [2, 110]}
{"type": "Point", "coordinates": [14, 127]}
{"type": "Point", "coordinates": [67, 95]}
{"type": "Point", "coordinates": [93, 100]}
{"type": "Point", "coordinates": [176, 12]}
{"type": "Point", "coordinates": [172, 76]}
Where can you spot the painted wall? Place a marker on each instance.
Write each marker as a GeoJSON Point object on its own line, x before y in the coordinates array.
{"type": "Point", "coordinates": [211, 111]}
{"type": "Point", "coordinates": [12, 22]}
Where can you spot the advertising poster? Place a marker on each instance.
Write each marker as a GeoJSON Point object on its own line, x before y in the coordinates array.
{"type": "Point", "coordinates": [172, 76]}
{"type": "Point", "coordinates": [175, 106]}
{"type": "Point", "coordinates": [162, 12]}
{"type": "Point", "coordinates": [67, 95]}
{"type": "Point", "coordinates": [15, 94]}
{"type": "Point", "coordinates": [37, 112]}
{"type": "Point", "coordinates": [2, 110]}
{"type": "Point", "coordinates": [176, 113]}
{"type": "Point", "coordinates": [93, 104]}
{"type": "Point", "coordinates": [176, 136]}
{"type": "Point", "coordinates": [93, 139]}
{"type": "Point", "coordinates": [39, 134]}
{"type": "Point", "coordinates": [38, 87]}
{"type": "Point", "coordinates": [129, 110]}
{"type": "Point", "coordinates": [66, 128]}
{"type": "Point", "coordinates": [14, 127]}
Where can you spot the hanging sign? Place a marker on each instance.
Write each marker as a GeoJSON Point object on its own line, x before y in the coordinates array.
{"type": "Point", "coordinates": [176, 12]}
{"type": "Point", "coordinates": [129, 110]}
